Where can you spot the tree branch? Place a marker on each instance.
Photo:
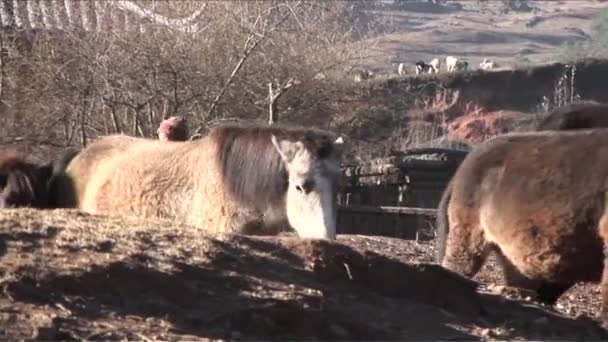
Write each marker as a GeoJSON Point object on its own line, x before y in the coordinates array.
{"type": "Point", "coordinates": [246, 53]}
{"type": "Point", "coordinates": [274, 97]}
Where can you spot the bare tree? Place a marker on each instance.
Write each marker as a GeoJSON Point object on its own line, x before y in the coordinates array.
{"type": "Point", "coordinates": [62, 84]}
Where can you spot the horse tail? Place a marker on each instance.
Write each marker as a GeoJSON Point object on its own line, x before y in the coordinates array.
{"type": "Point", "coordinates": [60, 186]}
{"type": "Point", "coordinates": [442, 223]}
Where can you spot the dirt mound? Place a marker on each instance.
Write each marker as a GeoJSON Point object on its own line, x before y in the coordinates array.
{"type": "Point", "coordinates": [479, 127]}
{"type": "Point", "coordinates": [67, 275]}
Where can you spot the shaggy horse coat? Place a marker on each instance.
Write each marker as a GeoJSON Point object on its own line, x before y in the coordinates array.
{"type": "Point", "coordinates": [576, 115]}
{"type": "Point", "coordinates": [537, 200]}
{"type": "Point", "coordinates": [236, 179]}
{"type": "Point", "coordinates": [26, 184]}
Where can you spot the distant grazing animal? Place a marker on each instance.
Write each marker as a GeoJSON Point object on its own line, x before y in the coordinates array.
{"type": "Point", "coordinates": [319, 76]}
{"type": "Point", "coordinates": [576, 115]}
{"type": "Point", "coordinates": [401, 69]}
{"type": "Point", "coordinates": [450, 62]}
{"type": "Point", "coordinates": [239, 179]}
{"type": "Point", "coordinates": [487, 64]}
{"type": "Point", "coordinates": [537, 199]}
{"type": "Point", "coordinates": [453, 64]}
{"type": "Point", "coordinates": [361, 75]}
{"type": "Point", "coordinates": [26, 184]}
{"type": "Point", "coordinates": [461, 66]}
{"type": "Point", "coordinates": [174, 128]}
{"type": "Point", "coordinates": [422, 67]}
{"type": "Point", "coordinates": [435, 64]}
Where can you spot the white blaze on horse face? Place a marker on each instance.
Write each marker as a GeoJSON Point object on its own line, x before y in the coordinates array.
{"type": "Point", "coordinates": [311, 199]}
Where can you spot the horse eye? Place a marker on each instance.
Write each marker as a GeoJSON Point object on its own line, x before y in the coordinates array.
{"type": "Point", "coordinates": [305, 187]}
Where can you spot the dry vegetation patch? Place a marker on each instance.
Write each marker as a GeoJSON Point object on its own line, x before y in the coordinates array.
{"type": "Point", "coordinates": [69, 275]}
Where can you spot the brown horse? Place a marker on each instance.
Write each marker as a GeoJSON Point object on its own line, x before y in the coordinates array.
{"type": "Point", "coordinates": [576, 115]}
{"type": "Point", "coordinates": [583, 114]}
{"type": "Point", "coordinates": [26, 184]}
{"type": "Point", "coordinates": [236, 179]}
{"type": "Point", "coordinates": [536, 200]}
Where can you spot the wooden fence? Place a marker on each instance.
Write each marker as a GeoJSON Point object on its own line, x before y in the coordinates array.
{"type": "Point", "coordinates": [396, 196]}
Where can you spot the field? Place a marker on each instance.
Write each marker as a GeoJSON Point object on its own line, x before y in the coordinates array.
{"type": "Point", "coordinates": [476, 30]}
{"type": "Point", "coordinates": [73, 276]}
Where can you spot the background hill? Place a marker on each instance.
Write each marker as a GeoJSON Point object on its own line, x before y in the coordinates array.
{"type": "Point", "coordinates": [63, 85]}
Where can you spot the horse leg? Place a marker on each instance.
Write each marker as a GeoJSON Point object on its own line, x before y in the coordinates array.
{"type": "Point", "coordinates": [466, 246]}
{"type": "Point", "coordinates": [546, 292]}
{"type": "Point", "coordinates": [603, 230]}
{"type": "Point", "coordinates": [512, 276]}
{"type": "Point", "coordinates": [604, 288]}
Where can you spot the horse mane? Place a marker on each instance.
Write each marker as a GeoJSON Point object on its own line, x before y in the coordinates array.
{"type": "Point", "coordinates": [11, 159]}
{"type": "Point", "coordinates": [251, 168]}
{"type": "Point", "coordinates": [22, 183]}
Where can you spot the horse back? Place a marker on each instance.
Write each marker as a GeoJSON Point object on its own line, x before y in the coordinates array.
{"type": "Point", "coordinates": [135, 176]}
{"type": "Point", "coordinates": [576, 115]}
{"type": "Point", "coordinates": [75, 171]}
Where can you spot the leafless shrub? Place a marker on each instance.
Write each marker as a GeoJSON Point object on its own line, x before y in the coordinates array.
{"type": "Point", "coordinates": [564, 91]}
{"type": "Point", "coordinates": [67, 87]}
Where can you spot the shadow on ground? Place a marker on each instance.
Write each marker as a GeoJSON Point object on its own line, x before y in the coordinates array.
{"type": "Point", "coordinates": [159, 284]}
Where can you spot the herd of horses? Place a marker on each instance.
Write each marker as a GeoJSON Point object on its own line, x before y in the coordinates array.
{"type": "Point", "coordinates": [537, 199]}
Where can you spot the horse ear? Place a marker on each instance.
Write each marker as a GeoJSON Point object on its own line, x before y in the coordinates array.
{"type": "Point", "coordinates": [287, 149]}
{"type": "Point", "coordinates": [339, 146]}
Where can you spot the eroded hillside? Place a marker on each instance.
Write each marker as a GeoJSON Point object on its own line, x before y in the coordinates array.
{"type": "Point", "coordinates": [380, 114]}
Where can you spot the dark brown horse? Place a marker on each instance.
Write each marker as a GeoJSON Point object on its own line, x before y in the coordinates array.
{"type": "Point", "coordinates": [541, 219]}
{"type": "Point", "coordinates": [538, 202]}
{"type": "Point", "coordinates": [24, 183]}
{"type": "Point", "coordinates": [576, 115]}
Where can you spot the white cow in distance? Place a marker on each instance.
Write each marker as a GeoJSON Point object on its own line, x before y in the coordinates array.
{"type": "Point", "coordinates": [453, 64]}
{"type": "Point", "coordinates": [488, 64]}
{"type": "Point", "coordinates": [401, 69]}
{"type": "Point", "coordinates": [435, 64]}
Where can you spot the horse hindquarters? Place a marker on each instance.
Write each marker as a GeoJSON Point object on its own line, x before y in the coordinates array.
{"type": "Point", "coordinates": [465, 247]}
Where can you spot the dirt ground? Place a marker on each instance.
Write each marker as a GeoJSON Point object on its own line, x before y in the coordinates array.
{"type": "Point", "coordinates": [66, 275]}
